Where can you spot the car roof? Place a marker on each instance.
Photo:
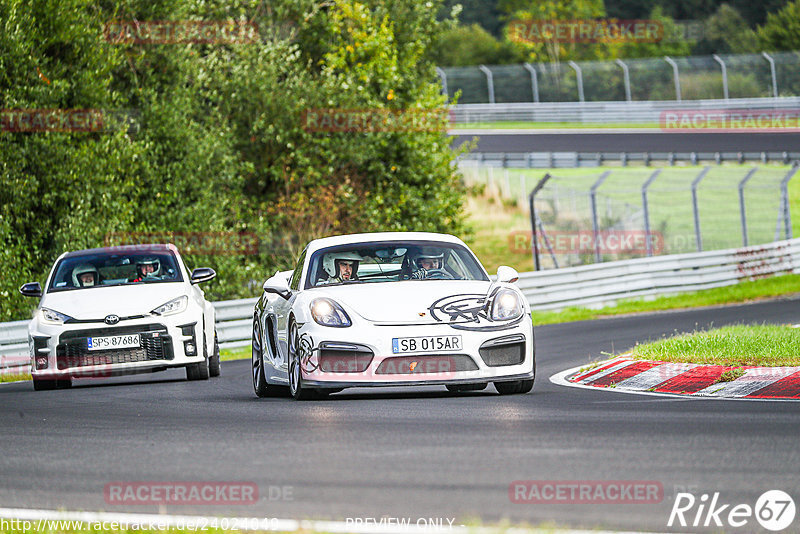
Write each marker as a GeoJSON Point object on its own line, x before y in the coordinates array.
{"type": "Point", "coordinates": [151, 248]}
{"type": "Point", "coordinates": [326, 242]}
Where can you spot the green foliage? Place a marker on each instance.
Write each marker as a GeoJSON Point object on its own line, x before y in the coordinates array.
{"type": "Point", "coordinates": [464, 46]}
{"type": "Point", "coordinates": [782, 29]}
{"type": "Point", "coordinates": [728, 32]}
{"type": "Point", "coordinates": [218, 143]}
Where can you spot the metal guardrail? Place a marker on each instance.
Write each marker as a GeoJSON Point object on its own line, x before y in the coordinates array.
{"type": "Point", "coordinates": [563, 160]}
{"type": "Point", "coordinates": [609, 112]}
{"type": "Point", "coordinates": [590, 285]}
{"type": "Point", "coordinates": [604, 284]}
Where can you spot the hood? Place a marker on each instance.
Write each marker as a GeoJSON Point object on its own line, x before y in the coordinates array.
{"type": "Point", "coordinates": [97, 302]}
{"type": "Point", "coordinates": [403, 302]}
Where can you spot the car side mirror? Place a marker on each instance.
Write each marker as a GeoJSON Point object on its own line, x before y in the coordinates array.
{"type": "Point", "coordinates": [203, 274]}
{"type": "Point", "coordinates": [31, 289]}
{"type": "Point", "coordinates": [507, 274]}
{"type": "Point", "coordinates": [278, 285]}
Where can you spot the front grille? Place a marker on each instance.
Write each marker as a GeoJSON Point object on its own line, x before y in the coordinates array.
{"type": "Point", "coordinates": [72, 350]}
{"type": "Point", "coordinates": [344, 361]}
{"type": "Point", "coordinates": [442, 364]}
{"type": "Point", "coordinates": [497, 353]}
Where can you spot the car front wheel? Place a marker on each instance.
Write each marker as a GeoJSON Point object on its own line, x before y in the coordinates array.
{"type": "Point", "coordinates": [295, 374]}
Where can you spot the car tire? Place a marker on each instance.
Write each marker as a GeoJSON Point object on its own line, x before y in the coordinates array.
{"type": "Point", "coordinates": [213, 361]}
{"type": "Point", "coordinates": [460, 388]}
{"type": "Point", "coordinates": [40, 384]}
{"type": "Point", "coordinates": [516, 387]}
{"type": "Point", "coordinates": [296, 388]}
{"type": "Point", "coordinates": [197, 371]}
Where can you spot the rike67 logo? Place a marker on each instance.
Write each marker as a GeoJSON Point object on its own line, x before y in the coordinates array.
{"type": "Point", "coordinates": [774, 510]}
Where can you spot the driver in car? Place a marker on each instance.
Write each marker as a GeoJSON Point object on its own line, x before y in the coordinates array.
{"type": "Point", "coordinates": [341, 267]}
{"type": "Point", "coordinates": [424, 261]}
{"type": "Point", "coordinates": [146, 268]}
{"type": "Point", "coordinates": [85, 275]}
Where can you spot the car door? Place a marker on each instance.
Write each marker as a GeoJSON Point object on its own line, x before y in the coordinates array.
{"type": "Point", "coordinates": [283, 309]}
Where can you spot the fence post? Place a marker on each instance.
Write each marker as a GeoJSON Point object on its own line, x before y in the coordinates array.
{"type": "Point", "coordinates": [787, 216]}
{"type": "Point", "coordinates": [595, 225]}
{"type": "Point", "coordinates": [647, 236]}
{"type": "Point", "coordinates": [677, 77]}
{"type": "Point", "coordinates": [724, 75]}
{"type": "Point", "coordinates": [772, 74]}
{"type": "Point", "coordinates": [489, 82]}
{"type": "Point", "coordinates": [742, 183]}
{"type": "Point", "coordinates": [695, 210]}
{"type": "Point", "coordinates": [534, 245]}
{"type": "Point", "coordinates": [626, 77]}
{"type": "Point", "coordinates": [443, 77]}
{"type": "Point", "coordinates": [534, 81]}
{"type": "Point", "coordinates": [579, 75]}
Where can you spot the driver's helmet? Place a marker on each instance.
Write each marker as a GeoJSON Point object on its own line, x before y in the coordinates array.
{"type": "Point", "coordinates": [149, 260]}
{"type": "Point", "coordinates": [330, 263]}
{"type": "Point", "coordinates": [85, 268]}
{"type": "Point", "coordinates": [426, 259]}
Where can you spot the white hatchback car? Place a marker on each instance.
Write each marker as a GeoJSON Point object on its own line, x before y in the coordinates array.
{"type": "Point", "coordinates": [391, 309]}
{"type": "Point", "coordinates": [121, 310]}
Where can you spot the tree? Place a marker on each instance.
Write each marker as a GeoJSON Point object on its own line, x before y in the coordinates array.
{"type": "Point", "coordinates": [782, 29]}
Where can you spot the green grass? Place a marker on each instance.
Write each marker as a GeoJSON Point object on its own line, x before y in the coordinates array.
{"type": "Point", "coordinates": [765, 345]}
{"type": "Point", "coordinates": [747, 291]}
{"type": "Point", "coordinates": [547, 125]}
{"type": "Point", "coordinates": [240, 353]}
{"type": "Point", "coordinates": [15, 377]}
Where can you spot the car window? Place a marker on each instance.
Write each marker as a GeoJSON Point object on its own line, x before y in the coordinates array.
{"type": "Point", "coordinates": [114, 269]}
{"type": "Point", "coordinates": [294, 283]}
{"type": "Point", "coordinates": [394, 261]}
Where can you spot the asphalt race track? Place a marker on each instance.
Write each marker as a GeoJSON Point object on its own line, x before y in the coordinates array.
{"type": "Point", "coordinates": [648, 141]}
{"type": "Point", "coordinates": [407, 453]}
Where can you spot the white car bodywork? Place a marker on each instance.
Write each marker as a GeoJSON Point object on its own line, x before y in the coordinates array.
{"type": "Point", "coordinates": [183, 337]}
{"type": "Point", "coordinates": [380, 315]}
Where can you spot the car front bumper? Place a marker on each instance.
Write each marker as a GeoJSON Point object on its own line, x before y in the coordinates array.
{"type": "Point", "coordinates": [373, 362]}
{"type": "Point", "coordinates": [61, 350]}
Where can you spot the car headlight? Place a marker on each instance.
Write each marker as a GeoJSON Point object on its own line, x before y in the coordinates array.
{"type": "Point", "coordinates": [506, 305]}
{"type": "Point", "coordinates": [327, 312]}
{"type": "Point", "coordinates": [54, 317]}
{"type": "Point", "coordinates": [174, 306]}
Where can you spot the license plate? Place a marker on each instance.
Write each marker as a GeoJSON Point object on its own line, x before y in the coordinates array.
{"type": "Point", "coordinates": [114, 342]}
{"type": "Point", "coordinates": [402, 345]}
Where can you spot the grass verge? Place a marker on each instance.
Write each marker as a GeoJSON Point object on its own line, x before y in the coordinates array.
{"type": "Point", "coordinates": [239, 353]}
{"type": "Point", "coordinates": [764, 345]}
{"type": "Point", "coordinates": [15, 377]}
{"type": "Point", "coordinates": [748, 291]}
{"type": "Point", "coordinates": [516, 125]}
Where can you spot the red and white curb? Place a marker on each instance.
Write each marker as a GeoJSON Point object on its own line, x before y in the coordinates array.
{"type": "Point", "coordinates": [646, 377]}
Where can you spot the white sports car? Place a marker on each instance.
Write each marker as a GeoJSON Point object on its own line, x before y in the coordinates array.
{"type": "Point", "coordinates": [390, 309]}
{"type": "Point", "coordinates": [121, 310]}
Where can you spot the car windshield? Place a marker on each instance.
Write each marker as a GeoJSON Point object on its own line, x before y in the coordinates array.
{"type": "Point", "coordinates": [394, 261]}
{"type": "Point", "coordinates": [114, 269]}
